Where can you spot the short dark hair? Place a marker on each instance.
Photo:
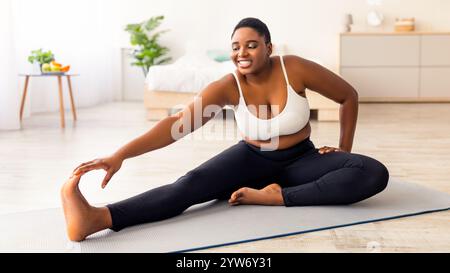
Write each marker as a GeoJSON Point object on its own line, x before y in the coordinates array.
{"type": "Point", "coordinates": [255, 24]}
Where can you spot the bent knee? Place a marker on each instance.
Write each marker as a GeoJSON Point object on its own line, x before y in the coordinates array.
{"type": "Point", "coordinates": [375, 181]}
{"type": "Point", "coordinates": [378, 176]}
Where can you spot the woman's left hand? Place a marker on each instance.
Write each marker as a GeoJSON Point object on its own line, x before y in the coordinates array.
{"type": "Point", "coordinates": [326, 149]}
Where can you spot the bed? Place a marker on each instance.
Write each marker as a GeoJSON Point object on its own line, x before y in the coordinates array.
{"type": "Point", "coordinates": [169, 87]}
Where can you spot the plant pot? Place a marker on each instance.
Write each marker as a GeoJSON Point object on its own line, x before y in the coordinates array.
{"type": "Point", "coordinates": [37, 68]}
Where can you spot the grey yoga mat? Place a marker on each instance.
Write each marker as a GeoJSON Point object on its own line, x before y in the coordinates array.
{"type": "Point", "coordinates": [216, 223]}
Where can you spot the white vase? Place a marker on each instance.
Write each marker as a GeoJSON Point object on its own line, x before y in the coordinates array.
{"type": "Point", "coordinates": [37, 68]}
{"type": "Point", "coordinates": [375, 18]}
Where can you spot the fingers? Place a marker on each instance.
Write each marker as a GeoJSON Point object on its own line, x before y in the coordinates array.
{"type": "Point", "coordinates": [326, 149]}
{"type": "Point", "coordinates": [106, 179]}
{"type": "Point", "coordinates": [93, 165]}
{"type": "Point", "coordinates": [83, 164]}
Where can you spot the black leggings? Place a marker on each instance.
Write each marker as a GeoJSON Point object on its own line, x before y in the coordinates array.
{"type": "Point", "coordinates": [306, 177]}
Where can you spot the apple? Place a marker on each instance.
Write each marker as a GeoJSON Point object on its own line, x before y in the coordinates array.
{"type": "Point", "coordinates": [46, 68]}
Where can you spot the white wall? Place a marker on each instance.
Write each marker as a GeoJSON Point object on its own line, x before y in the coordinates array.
{"type": "Point", "coordinates": [9, 99]}
{"type": "Point", "coordinates": [89, 35]}
{"type": "Point", "coordinates": [309, 28]}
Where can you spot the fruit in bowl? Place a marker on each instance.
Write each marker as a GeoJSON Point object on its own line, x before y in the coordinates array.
{"type": "Point", "coordinates": [55, 67]}
{"type": "Point", "coordinates": [65, 68]}
{"type": "Point", "coordinates": [46, 68]}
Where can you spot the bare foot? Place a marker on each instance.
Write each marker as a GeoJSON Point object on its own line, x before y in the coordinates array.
{"type": "Point", "coordinates": [82, 219]}
{"type": "Point", "coordinates": [270, 196]}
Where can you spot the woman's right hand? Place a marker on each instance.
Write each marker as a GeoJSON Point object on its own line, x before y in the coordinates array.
{"type": "Point", "coordinates": [110, 164]}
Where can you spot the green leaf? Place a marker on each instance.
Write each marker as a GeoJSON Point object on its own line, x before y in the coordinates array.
{"type": "Point", "coordinates": [133, 27]}
{"type": "Point", "coordinates": [40, 56]}
{"type": "Point", "coordinates": [149, 51]}
{"type": "Point", "coordinates": [153, 23]}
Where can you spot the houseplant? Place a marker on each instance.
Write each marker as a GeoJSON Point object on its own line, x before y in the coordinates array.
{"type": "Point", "coordinates": [148, 51]}
{"type": "Point", "coordinates": [41, 57]}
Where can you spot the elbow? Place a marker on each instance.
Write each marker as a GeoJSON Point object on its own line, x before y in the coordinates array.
{"type": "Point", "coordinates": [355, 95]}
{"type": "Point", "coordinates": [352, 97]}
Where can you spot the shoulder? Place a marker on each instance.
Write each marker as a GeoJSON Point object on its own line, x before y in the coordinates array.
{"type": "Point", "coordinates": [297, 71]}
{"type": "Point", "coordinates": [224, 89]}
{"type": "Point", "coordinates": [227, 83]}
{"type": "Point", "coordinates": [297, 63]}
{"type": "Point", "coordinates": [226, 80]}
{"type": "Point", "coordinates": [303, 68]}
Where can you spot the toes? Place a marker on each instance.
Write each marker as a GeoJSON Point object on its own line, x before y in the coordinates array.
{"type": "Point", "coordinates": [235, 198]}
{"type": "Point", "coordinates": [70, 185]}
{"type": "Point", "coordinates": [243, 192]}
{"type": "Point", "coordinates": [239, 194]}
{"type": "Point", "coordinates": [232, 201]}
{"type": "Point", "coordinates": [235, 195]}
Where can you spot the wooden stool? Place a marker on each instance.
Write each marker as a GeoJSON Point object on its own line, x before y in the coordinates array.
{"type": "Point", "coordinates": [61, 103]}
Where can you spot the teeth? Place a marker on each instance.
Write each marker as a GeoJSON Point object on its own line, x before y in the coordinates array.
{"type": "Point", "coordinates": [245, 63]}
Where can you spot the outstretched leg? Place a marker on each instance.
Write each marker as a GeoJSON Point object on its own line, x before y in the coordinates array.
{"type": "Point", "coordinates": [236, 167]}
{"type": "Point", "coordinates": [82, 219]}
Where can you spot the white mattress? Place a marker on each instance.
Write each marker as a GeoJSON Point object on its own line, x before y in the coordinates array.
{"type": "Point", "coordinates": [190, 73]}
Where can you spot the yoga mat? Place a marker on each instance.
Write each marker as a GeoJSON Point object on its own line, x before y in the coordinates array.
{"type": "Point", "coordinates": [216, 223]}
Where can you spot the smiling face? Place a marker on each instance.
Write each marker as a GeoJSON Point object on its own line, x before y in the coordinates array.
{"type": "Point", "coordinates": [249, 50]}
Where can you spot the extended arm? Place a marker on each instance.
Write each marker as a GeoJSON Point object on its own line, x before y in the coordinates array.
{"type": "Point", "coordinates": [206, 105]}
{"type": "Point", "coordinates": [210, 101]}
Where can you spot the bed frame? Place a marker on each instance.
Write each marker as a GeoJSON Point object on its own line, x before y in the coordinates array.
{"type": "Point", "coordinates": [160, 104]}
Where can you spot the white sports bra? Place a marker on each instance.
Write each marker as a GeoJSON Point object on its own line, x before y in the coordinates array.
{"type": "Point", "coordinates": [293, 118]}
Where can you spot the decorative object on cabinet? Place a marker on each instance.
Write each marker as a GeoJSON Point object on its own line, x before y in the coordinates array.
{"type": "Point", "coordinates": [374, 18]}
{"type": "Point", "coordinates": [406, 24]}
{"type": "Point", "coordinates": [348, 22]}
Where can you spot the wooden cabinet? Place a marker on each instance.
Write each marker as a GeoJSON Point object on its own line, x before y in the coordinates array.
{"type": "Point", "coordinates": [435, 82]}
{"type": "Point", "coordinates": [370, 51]}
{"type": "Point", "coordinates": [383, 82]}
{"type": "Point", "coordinates": [435, 50]}
{"type": "Point", "coordinates": [397, 66]}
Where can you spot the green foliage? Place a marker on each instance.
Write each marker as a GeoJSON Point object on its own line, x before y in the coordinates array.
{"type": "Point", "coordinates": [41, 57]}
{"type": "Point", "coordinates": [149, 52]}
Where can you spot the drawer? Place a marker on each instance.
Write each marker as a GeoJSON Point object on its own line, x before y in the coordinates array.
{"type": "Point", "coordinates": [435, 50]}
{"type": "Point", "coordinates": [435, 82]}
{"type": "Point", "coordinates": [383, 82]}
{"type": "Point", "coordinates": [380, 50]}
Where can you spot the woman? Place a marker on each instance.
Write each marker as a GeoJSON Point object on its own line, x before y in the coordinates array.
{"type": "Point", "coordinates": [275, 163]}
